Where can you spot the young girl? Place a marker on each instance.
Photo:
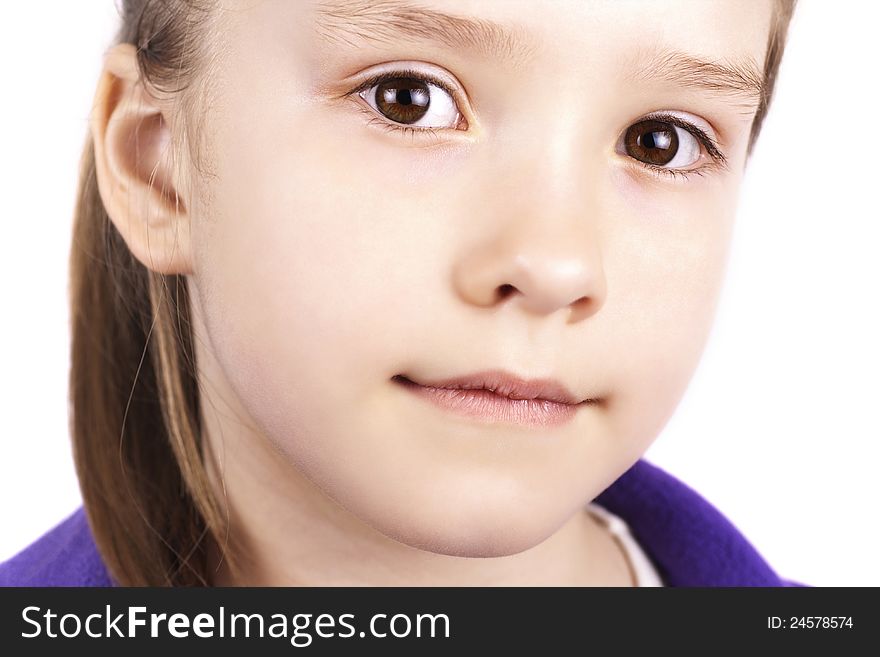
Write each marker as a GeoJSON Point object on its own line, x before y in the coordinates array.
{"type": "Point", "coordinates": [399, 292]}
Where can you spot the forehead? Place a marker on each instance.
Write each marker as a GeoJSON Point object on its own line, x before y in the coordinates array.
{"type": "Point", "coordinates": [523, 30]}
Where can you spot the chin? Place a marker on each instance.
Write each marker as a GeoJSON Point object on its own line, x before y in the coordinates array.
{"type": "Point", "coordinates": [475, 530]}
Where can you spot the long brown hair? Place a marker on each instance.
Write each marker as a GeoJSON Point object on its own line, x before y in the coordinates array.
{"type": "Point", "coordinates": [135, 420]}
{"type": "Point", "coordinates": [135, 414]}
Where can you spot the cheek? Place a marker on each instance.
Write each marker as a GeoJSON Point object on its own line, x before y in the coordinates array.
{"type": "Point", "coordinates": [667, 260]}
{"type": "Point", "coordinates": [292, 270]}
{"type": "Point", "coordinates": [304, 260]}
{"type": "Point", "coordinates": [316, 239]}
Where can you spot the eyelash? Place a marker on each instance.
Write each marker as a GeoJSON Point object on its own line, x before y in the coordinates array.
{"type": "Point", "coordinates": [718, 161]}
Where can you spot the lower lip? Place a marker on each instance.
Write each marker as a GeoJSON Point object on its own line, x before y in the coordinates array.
{"type": "Point", "coordinates": [486, 405]}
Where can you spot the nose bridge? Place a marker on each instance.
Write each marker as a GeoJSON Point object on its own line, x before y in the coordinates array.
{"type": "Point", "coordinates": [546, 148]}
{"type": "Point", "coordinates": [541, 240]}
{"type": "Point", "coordinates": [539, 243]}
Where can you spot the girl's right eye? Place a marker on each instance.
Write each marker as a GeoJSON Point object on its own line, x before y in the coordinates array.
{"type": "Point", "coordinates": [410, 101]}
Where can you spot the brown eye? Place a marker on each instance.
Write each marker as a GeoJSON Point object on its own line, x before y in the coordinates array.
{"type": "Point", "coordinates": [403, 100]}
{"type": "Point", "coordinates": [661, 144]}
{"type": "Point", "coordinates": [411, 101]}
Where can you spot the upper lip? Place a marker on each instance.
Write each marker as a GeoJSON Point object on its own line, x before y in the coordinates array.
{"type": "Point", "coordinates": [506, 384]}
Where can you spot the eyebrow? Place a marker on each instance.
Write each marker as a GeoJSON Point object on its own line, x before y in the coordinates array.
{"type": "Point", "coordinates": [385, 22]}
{"type": "Point", "coordinates": [735, 78]}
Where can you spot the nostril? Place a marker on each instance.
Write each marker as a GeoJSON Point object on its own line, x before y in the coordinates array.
{"type": "Point", "coordinates": [505, 290]}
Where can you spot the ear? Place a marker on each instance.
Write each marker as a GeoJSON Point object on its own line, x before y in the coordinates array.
{"type": "Point", "coordinates": [134, 165]}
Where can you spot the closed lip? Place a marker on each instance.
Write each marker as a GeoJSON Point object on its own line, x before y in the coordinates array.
{"type": "Point", "coordinates": [504, 384]}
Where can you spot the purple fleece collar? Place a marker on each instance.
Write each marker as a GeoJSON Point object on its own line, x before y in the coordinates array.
{"type": "Point", "coordinates": [689, 541]}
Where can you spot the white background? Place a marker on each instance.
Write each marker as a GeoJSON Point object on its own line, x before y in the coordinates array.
{"type": "Point", "coordinates": [780, 426]}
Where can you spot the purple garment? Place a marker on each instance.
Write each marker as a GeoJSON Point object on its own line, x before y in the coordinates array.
{"type": "Point", "coordinates": [688, 540]}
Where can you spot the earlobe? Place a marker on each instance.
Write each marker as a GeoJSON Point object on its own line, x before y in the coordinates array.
{"type": "Point", "coordinates": [134, 165]}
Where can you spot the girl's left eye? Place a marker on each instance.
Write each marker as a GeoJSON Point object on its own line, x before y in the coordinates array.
{"type": "Point", "coordinates": [661, 144]}
{"type": "Point", "coordinates": [411, 102]}
{"type": "Point", "coordinates": [669, 145]}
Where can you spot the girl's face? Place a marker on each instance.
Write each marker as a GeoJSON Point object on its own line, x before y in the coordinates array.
{"type": "Point", "coordinates": [542, 227]}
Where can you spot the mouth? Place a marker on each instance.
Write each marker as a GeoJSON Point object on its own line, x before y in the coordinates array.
{"type": "Point", "coordinates": [496, 396]}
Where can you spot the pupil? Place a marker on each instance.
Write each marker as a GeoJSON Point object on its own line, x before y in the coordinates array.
{"type": "Point", "coordinates": [657, 140]}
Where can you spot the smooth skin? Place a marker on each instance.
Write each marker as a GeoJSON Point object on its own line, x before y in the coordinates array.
{"type": "Point", "coordinates": [326, 254]}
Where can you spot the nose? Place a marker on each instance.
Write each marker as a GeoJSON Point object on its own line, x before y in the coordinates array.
{"type": "Point", "coordinates": [537, 241]}
{"type": "Point", "coordinates": [544, 264]}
